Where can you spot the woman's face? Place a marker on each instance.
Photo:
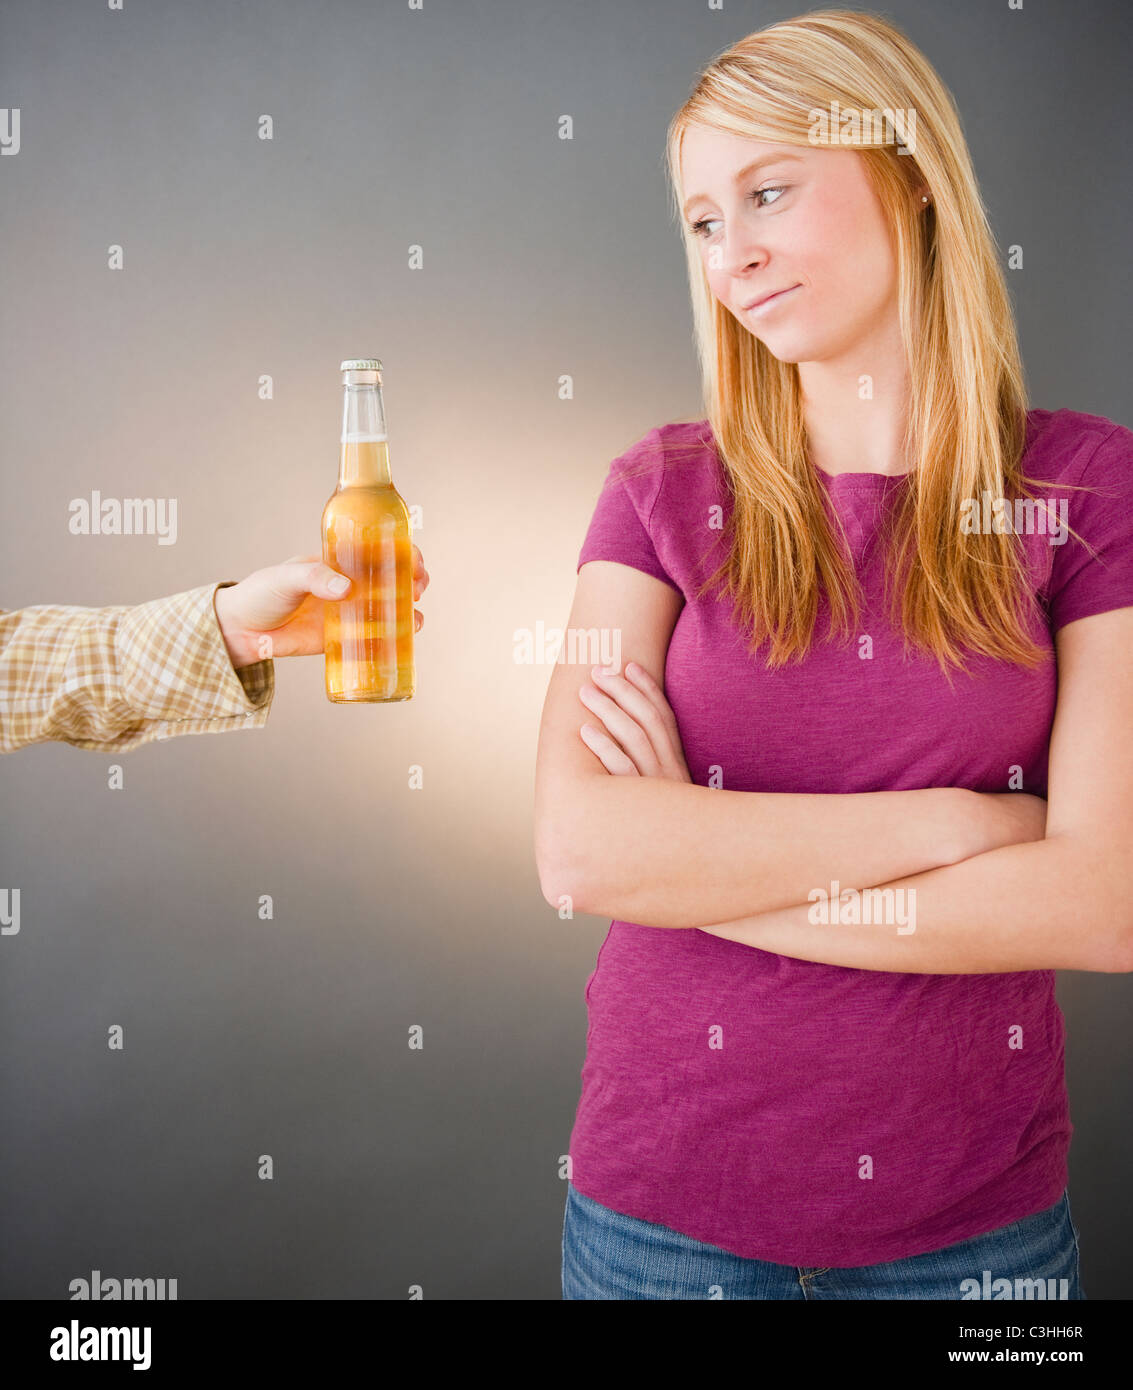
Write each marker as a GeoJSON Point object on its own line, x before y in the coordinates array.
{"type": "Point", "coordinates": [805, 225]}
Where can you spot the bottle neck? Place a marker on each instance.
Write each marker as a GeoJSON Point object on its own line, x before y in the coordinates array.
{"type": "Point", "coordinates": [365, 452]}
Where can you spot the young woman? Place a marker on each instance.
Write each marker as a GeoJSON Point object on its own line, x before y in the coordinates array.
{"type": "Point", "coordinates": [844, 643]}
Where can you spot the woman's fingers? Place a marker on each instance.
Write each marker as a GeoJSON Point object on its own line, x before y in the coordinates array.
{"type": "Point", "coordinates": [624, 727]}
{"type": "Point", "coordinates": [644, 702]}
{"type": "Point", "coordinates": [645, 682]}
{"type": "Point", "coordinates": [674, 756]}
{"type": "Point", "coordinates": [639, 734]}
{"type": "Point", "coordinates": [613, 758]}
{"type": "Point", "coordinates": [674, 748]}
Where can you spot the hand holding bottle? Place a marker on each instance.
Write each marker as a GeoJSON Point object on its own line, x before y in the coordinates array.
{"type": "Point", "coordinates": [285, 603]}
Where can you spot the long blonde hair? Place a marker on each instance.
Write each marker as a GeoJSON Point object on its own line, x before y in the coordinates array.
{"type": "Point", "coordinates": [966, 421]}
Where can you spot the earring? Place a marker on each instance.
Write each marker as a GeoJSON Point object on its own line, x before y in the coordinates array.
{"type": "Point", "coordinates": [924, 199]}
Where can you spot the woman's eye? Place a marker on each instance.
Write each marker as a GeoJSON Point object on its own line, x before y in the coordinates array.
{"type": "Point", "coordinates": [699, 228]}
{"type": "Point", "coordinates": [759, 192]}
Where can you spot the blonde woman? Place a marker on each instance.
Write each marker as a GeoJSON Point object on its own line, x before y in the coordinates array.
{"type": "Point", "coordinates": [842, 670]}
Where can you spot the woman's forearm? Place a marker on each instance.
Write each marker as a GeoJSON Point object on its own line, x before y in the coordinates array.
{"type": "Point", "coordinates": [674, 854]}
{"type": "Point", "coordinates": [1058, 904]}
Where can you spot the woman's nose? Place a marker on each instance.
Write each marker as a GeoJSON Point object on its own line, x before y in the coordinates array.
{"type": "Point", "coordinates": [742, 254]}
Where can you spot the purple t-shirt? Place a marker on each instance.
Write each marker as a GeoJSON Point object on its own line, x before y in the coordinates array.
{"type": "Point", "coordinates": [757, 1146]}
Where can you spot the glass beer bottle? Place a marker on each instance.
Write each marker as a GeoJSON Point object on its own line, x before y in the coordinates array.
{"type": "Point", "coordinates": [368, 635]}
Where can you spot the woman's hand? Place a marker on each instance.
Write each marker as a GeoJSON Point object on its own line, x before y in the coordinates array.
{"type": "Point", "coordinates": [284, 604]}
{"type": "Point", "coordinates": [638, 736]}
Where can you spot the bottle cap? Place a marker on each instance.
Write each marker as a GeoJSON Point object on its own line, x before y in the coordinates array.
{"type": "Point", "coordinates": [361, 364]}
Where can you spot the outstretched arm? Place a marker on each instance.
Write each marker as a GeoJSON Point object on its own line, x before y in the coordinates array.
{"type": "Point", "coordinates": [110, 679]}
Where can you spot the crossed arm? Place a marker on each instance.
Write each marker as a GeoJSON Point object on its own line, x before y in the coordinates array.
{"type": "Point", "coordinates": [995, 889]}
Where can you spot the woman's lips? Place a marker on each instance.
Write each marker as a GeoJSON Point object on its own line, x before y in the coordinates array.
{"type": "Point", "coordinates": [764, 305]}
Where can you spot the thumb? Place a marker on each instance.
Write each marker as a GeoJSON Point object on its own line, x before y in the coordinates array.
{"type": "Point", "coordinates": [306, 574]}
{"type": "Point", "coordinates": [332, 583]}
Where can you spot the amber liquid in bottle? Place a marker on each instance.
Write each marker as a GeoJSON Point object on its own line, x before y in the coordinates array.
{"type": "Point", "coordinates": [368, 635]}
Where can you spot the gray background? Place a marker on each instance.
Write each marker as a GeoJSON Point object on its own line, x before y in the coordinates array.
{"type": "Point", "coordinates": [392, 908]}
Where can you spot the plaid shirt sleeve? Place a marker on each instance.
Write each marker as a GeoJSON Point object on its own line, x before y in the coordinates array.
{"type": "Point", "coordinates": [113, 678]}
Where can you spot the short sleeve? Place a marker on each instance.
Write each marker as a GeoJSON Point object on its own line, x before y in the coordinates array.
{"type": "Point", "coordinates": [1095, 580]}
{"type": "Point", "coordinates": [619, 528]}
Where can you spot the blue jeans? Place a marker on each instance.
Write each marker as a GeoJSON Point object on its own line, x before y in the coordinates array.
{"type": "Point", "coordinates": [608, 1255]}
